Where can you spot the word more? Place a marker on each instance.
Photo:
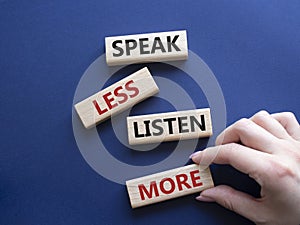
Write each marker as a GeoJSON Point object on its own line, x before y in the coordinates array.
{"type": "Point", "coordinates": [168, 184]}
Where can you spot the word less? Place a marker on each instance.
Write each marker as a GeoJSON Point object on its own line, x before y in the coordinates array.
{"type": "Point", "coordinates": [116, 98]}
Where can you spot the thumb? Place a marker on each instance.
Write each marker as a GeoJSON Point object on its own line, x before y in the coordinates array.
{"type": "Point", "coordinates": [233, 200]}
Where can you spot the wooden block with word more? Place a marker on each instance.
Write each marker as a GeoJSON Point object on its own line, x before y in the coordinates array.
{"type": "Point", "coordinates": [152, 47]}
{"type": "Point", "coordinates": [116, 98]}
{"type": "Point", "coordinates": [172, 126]}
{"type": "Point", "coordinates": [169, 184]}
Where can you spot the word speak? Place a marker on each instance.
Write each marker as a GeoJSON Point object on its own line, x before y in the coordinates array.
{"type": "Point", "coordinates": [153, 47]}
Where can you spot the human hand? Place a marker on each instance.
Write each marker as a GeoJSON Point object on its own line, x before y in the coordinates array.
{"type": "Point", "coordinates": [267, 148]}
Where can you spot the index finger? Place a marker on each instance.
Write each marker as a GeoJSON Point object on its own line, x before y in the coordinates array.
{"type": "Point", "coordinates": [240, 157]}
{"type": "Point", "coordinates": [249, 134]}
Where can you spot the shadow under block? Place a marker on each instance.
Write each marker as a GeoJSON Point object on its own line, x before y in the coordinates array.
{"type": "Point", "coordinates": [172, 126]}
{"type": "Point", "coordinates": [168, 184]}
{"type": "Point", "coordinates": [151, 47]}
{"type": "Point", "coordinates": [116, 98]}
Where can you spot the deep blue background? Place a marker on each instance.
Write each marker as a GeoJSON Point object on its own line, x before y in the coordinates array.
{"type": "Point", "coordinates": [253, 48]}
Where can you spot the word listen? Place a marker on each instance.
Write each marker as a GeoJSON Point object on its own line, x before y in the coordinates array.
{"type": "Point", "coordinates": [169, 184]}
{"type": "Point", "coordinates": [116, 98]}
{"type": "Point", "coordinates": [157, 47]}
{"type": "Point", "coordinates": [172, 126]}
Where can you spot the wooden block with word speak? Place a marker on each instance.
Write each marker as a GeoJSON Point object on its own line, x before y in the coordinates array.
{"type": "Point", "coordinates": [172, 126]}
{"type": "Point", "coordinates": [116, 98]}
{"type": "Point", "coordinates": [152, 47]}
{"type": "Point", "coordinates": [169, 184]}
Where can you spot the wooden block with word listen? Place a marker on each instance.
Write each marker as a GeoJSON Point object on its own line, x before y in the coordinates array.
{"type": "Point", "coordinates": [181, 125]}
{"type": "Point", "coordinates": [152, 47]}
{"type": "Point", "coordinates": [169, 184]}
{"type": "Point", "coordinates": [116, 98]}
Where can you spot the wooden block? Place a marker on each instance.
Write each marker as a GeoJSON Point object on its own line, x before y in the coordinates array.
{"type": "Point", "coordinates": [169, 184]}
{"type": "Point", "coordinates": [116, 98]}
{"type": "Point", "coordinates": [171, 126]}
{"type": "Point", "coordinates": [153, 47]}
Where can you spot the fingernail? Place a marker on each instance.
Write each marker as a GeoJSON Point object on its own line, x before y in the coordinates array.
{"type": "Point", "coordinates": [204, 199]}
{"type": "Point", "coordinates": [194, 154]}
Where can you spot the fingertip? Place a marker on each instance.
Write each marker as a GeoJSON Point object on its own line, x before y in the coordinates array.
{"type": "Point", "coordinates": [192, 155]}
{"type": "Point", "coordinates": [204, 199]}
{"type": "Point", "coordinates": [210, 192]}
{"type": "Point", "coordinates": [195, 157]}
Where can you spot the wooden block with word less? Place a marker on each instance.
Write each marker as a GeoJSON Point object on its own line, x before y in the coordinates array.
{"type": "Point", "coordinates": [168, 184]}
{"type": "Point", "coordinates": [151, 47]}
{"type": "Point", "coordinates": [116, 98]}
{"type": "Point", "coordinates": [172, 126]}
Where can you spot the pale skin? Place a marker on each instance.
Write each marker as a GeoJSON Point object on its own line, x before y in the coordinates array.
{"type": "Point", "coordinates": [267, 148]}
